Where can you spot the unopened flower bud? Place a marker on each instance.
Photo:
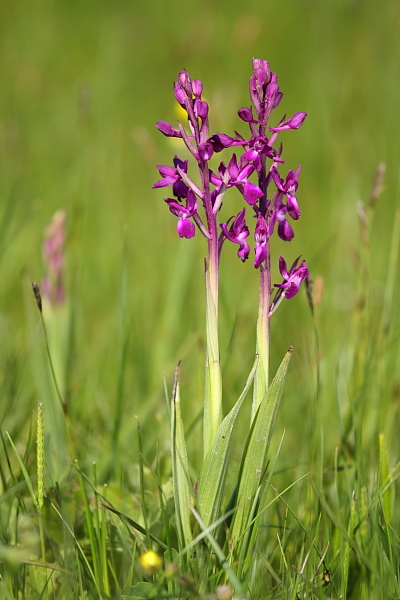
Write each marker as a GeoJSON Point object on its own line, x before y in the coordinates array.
{"type": "Point", "coordinates": [245, 114]}
{"type": "Point", "coordinates": [197, 88]}
{"type": "Point", "coordinates": [167, 129]}
{"type": "Point", "coordinates": [185, 82]}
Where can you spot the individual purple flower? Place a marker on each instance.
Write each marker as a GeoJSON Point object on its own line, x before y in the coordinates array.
{"type": "Point", "coordinates": [292, 278]}
{"type": "Point", "coordinates": [293, 123]}
{"type": "Point", "coordinates": [258, 146]}
{"type": "Point", "coordinates": [261, 236]}
{"type": "Point", "coordinates": [238, 233]}
{"type": "Point", "coordinates": [239, 174]}
{"type": "Point", "coordinates": [171, 176]}
{"type": "Point", "coordinates": [236, 174]}
{"type": "Point", "coordinates": [288, 187]}
{"type": "Point", "coordinates": [278, 215]}
{"type": "Point", "coordinates": [186, 228]}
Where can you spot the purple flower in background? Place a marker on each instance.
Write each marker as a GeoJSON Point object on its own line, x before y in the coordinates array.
{"type": "Point", "coordinates": [238, 233]}
{"type": "Point", "coordinates": [186, 228]}
{"type": "Point", "coordinates": [54, 257]}
{"type": "Point", "coordinates": [292, 278]}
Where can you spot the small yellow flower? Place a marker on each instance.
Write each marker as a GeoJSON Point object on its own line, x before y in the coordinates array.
{"type": "Point", "coordinates": [151, 562]}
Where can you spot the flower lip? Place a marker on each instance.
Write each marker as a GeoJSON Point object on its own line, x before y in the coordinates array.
{"type": "Point", "coordinates": [185, 227]}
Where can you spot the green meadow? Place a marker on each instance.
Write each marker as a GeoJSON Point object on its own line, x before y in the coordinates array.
{"type": "Point", "coordinates": [82, 85]}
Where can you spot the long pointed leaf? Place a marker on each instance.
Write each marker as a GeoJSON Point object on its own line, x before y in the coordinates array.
{"type": "Point", "coordinates": [255, 454]}
{"type": "Point", "coordinates": [215, 466]}
{"type": "Point", "coordinates": [180, 470]}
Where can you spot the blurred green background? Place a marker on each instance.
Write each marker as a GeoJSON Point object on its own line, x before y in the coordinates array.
{"type": "Point", "coordinates": [82, 85]}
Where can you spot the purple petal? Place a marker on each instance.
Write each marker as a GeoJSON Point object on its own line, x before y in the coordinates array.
{"type": "Point", "coordinates": [206, 151]}
{"type": "Point", "coordinates": [283, 268]}
{"type": "Point", "coordinates": [293, 207]}
{"type": "Point", "coordinates": [250, 155]}
{"type": "Point", "coordinates": [277, 100]}
{"type": "Point", "coordinates": [277, 180]}
{"type": "Point", "coordinates": [180, 189]}
{"type": "Point", "coordinates": [200, 109]}
{"type": "Point", "coordinates": [191, 203]}
{"type": "Point", "coordinates": [246, 171]}
{"type": "Point", "coordinates": [261, 255]}
{"type": "Point", "coordinates": [285, 231]}
{"type": "Point", "coordinates": [177, 209]}
{"type": "Point", "coordinates": [186, 228]}
{"type": "Point", "coordinates": [167, 129]}
{"type": "Point", "coordinates": [239, 223]}
{"type": "Point", "coordinates": [251, 192]}
{"type": "Point", "coordinates": [164, 182]}
{"type": "Point", "coordinates": [297, 120]}
{"type": "Point", "coordinates": [244, 251]}
{"type": "Point", "coordinates": [179, 93]}
{"type": "Point", "coordinates": [220, 141]}
{"type": "Point", "coordinates": [224, 227]}
{"type": "Point", "coordinates": [197, 87]}
{"type": "Point", "coordinates": [182, 164]}
{"type": "Point", "coordinates": [245, 114]}
{"type": "Point", "coordinates": [184, 80]}
{"type": "Point", "coordinates": [233, 168]}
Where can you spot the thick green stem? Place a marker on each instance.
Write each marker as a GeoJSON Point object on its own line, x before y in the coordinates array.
{"type": "Point", "coordinates": [262, 345]}
{"type": "Point", "coordinates": [213, 382]}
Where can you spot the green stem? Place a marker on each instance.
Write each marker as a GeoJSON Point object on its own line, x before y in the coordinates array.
{"type": "Point", "coordinates": [262, 345]}
{"type": "Point", "coordinates": [213, 381]}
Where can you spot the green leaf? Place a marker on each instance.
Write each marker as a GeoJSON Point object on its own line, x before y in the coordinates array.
{"type": "Point", "coordinates": [215, 466]}
{"type": "Point", "coordinates": [255, 453]}
{"type": "Point", "coordinates": [140, 590]}
{"type": "Point", "coordinates": [180, 469]}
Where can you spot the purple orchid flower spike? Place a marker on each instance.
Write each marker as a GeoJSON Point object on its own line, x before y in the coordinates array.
{"type": "Point", "coordinates": [253, 170]}
{"type": "Point", "coordinates": [288, 187]}
{"type": "Point", "coordinates": [186, 228]}
{"type": "Point", "coordinates": [238, 233]}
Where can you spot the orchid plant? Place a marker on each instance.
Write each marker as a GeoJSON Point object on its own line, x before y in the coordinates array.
{"type": "Point", "coordinates": [254, 168]}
